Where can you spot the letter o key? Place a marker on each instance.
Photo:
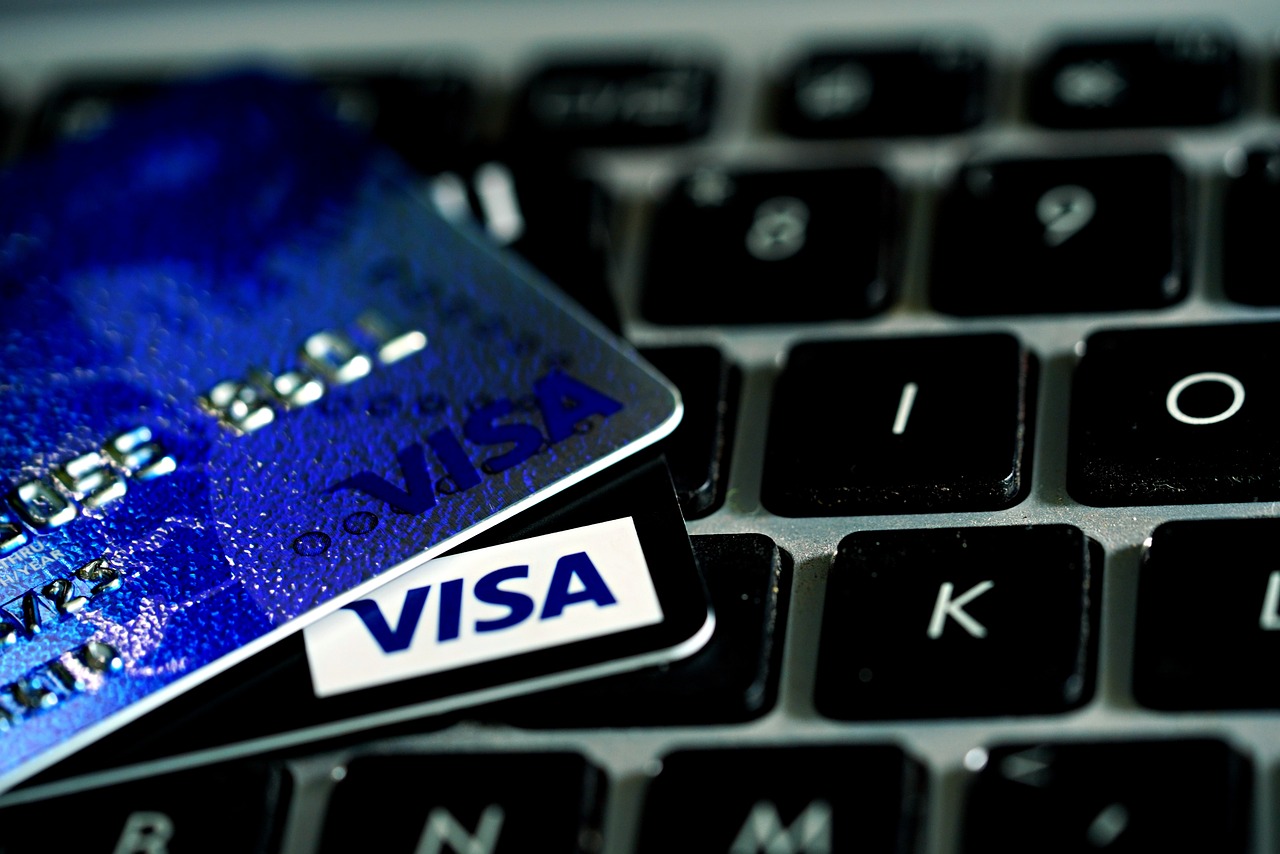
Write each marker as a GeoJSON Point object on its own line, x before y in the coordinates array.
{"type": "Point", "coordinates": [1237, 397]}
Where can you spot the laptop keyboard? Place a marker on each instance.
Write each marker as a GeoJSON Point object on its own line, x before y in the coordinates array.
{"type": "Point", "coordinates": [974, 319]}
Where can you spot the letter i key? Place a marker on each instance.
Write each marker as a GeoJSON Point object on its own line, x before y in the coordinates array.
{"type": "Point", "coordinates": [924, 425]}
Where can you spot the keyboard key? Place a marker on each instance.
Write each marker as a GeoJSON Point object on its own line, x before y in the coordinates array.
{"type": "Point", "coordinates": [556, 220]}
{"type": "Point", "coordinates": [1176, 416]}
{"type": "Point", "coordinates": [232, 807]}
{"type": "Point", "coordinates": [930, 88]}
{"type": "Point", "coordinates": [1041, 236]}
{"type": "Point", "coordinates": [6, 128]}
{"type": "Point", "coordinates": [427, 117]}
{"type": "Point", "coordinates": [733, 678]}
{"type": "Point", "coordinates": [610, 102]}
{"type": "Point", "coordinates": [493, 802]}
{"type": "Point", "coordinates": [1250, 272]}
{"type": "Point", "coordinates": [1200, 636]}
{"type": "Point", "coordinates": [1118, 797]}
{"type": "Point", "coordinates": [82, 108]}
{"type": "Point", "coordinates": [1188, 76]}
{"type": "Point", "coordinates": [916, 425]}
{"type": "Point", "coordinates": [698, 451]}
{"type": "Point", "coordinates": [816, 798]}
{"type": "Point", "coordinates": [958, 622]}
{"type": "Point", "coordinates": [770, 247]}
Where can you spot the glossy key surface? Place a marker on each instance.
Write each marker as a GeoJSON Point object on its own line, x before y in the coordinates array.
{"type": "Point", "coordinates": [924, 425]}
{"type": "Point", "coordinates": [1250, 268]}
{"type": "Point", "coordinates": [542, 209]}
{"type": "Point", "coordinates": [1119, 796]}
{"type": "Point", "coordinates": [615, 102]}
{"type": "Point", "coordinates": [6, 127]}
{"type": "Point", "coordinates": [426, 115]}
{"type": "Point", "coordinates": [1208, 616]}
{"type": "Point", "coordinates": [958, 622]}
{"type": "Point", "coordinates": [231, 807]}
{"type": "Point", "coordinates": [1057, 236]}
{"type": "Point", "coordinates": [927, 88]}
{"type": "Point", "coordinates": [770, 247]}
{"type": "Point", "coordinates": [1180, 76]}
{"type": "Point", "coordinates": [733, 678]}
{"type": "Point", "coordinates": [821, 797]}
{"type": "Point", "coordinates": [1176, 415]}
{"type": "Point", "coordinates": [698, 450]}
{"type": "Point", "coordinates": [498, 803]}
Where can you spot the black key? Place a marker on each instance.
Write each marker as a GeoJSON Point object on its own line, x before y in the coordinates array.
{"type": "Point", "coordinates": [83, 108]}
{"type": "Point", "coordinates": [958, 622]}
{"type": "Point", "coordinates": [1251, 273]}
{"type": "Point", "coordinates": [427, 117]}
{"type": "Point", "coordinates": [6, 128]}
{"type": "Point", "coordinates": [917, 425]}
{"type": "Point", "coordinates": [1176, 416]}
{"type": "Point", "coordinates": [931, 88]}
{"type": "Point", "coordinates": [1188, 76]}
{"type": "Point", "coordinates": [493, 802]}
{"type": "Point", "coordinates": [556, 220]}
{"type": "Point", "coordinates": [1201, 635]}
{"type": "Point", "coordinates": [1122, 797]}
{"type": "Point", "coordinates": [610, 102]}
{"type": "Point", "coordinates": [233, 807]}
{"type": "Point", "coordinates": [698, 451]}
{"type": "Point", "coordinates": [817, 798]}
{"type": "Point", "coordinates": [1029, 237]}
{"type": "Point", "coordinates": [771, 247]}
{"type": "Point", "coordinates": [733, 678]}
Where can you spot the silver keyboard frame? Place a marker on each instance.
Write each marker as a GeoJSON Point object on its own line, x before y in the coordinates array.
{"type": "Point", "coordinates": [753, 42]}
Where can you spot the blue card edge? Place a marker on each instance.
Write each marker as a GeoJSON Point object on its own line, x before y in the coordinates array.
{"type": "Point", "coordinates": [533, 279]}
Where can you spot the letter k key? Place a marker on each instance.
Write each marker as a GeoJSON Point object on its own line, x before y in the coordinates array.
{"type": "Point", "coordinates": [954, 608]}
{"type": "Point", "coordinates": [958, 622]}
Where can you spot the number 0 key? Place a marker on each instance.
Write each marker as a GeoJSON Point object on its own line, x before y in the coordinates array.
{"type": "Point", "coordinates": [1177, 416]}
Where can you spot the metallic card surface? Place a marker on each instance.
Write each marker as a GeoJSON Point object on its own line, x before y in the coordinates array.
{"type": "Point", "coordinates": [246, 375]}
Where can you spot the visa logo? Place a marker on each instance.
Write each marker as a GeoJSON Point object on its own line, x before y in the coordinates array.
{"type": "Point", "coordinates": [563, 402]}
{"type": "Point", "coordinates": [519, 606]}
{"type": "Point", "coordinates": [486, 605]}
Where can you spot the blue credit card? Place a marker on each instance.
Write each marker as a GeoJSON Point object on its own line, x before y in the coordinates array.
{"type": "Point", "coordinates": [247, 375]}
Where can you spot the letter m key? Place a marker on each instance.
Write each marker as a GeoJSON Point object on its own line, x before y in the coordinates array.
{"type": "Point", "coordinates": [764, 833]}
